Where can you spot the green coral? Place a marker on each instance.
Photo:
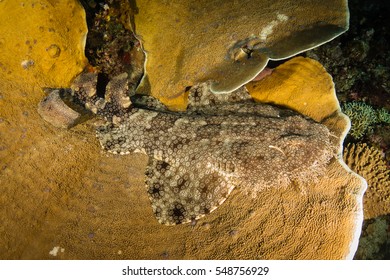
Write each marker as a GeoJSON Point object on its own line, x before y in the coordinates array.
{"type": "Point", "coordinates": [363, 117]}
{"type": "Point", "coordinates": [383, 115]}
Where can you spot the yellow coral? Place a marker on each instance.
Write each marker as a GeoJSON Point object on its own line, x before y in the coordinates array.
{"type": "Point", "coordinates": [316, 222]}
{"type": "Point", "coordinates": [369, 163]}
{"type": "Point", "coordinates": [42, 42]}
{"type": "Point", "coordinates": [225, 41]}
{"type": "Point", "coordinates": [303, 85]}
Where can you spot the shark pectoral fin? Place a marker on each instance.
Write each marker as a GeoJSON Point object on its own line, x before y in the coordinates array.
{"type": "Point", "coordinates": [180, 195]}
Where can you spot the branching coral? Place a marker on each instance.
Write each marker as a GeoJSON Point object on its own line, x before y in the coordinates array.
{"type": "Point", "coordinates": [363, 117]}
{"type": "Point", "coordinates": [383, 115]}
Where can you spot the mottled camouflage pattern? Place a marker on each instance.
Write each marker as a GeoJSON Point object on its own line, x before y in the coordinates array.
{"type": "Point", "coordinates": [197, 157]}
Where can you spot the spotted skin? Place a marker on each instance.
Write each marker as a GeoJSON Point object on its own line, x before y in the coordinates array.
{"type": "Point", "coordinates": [197, 157]}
